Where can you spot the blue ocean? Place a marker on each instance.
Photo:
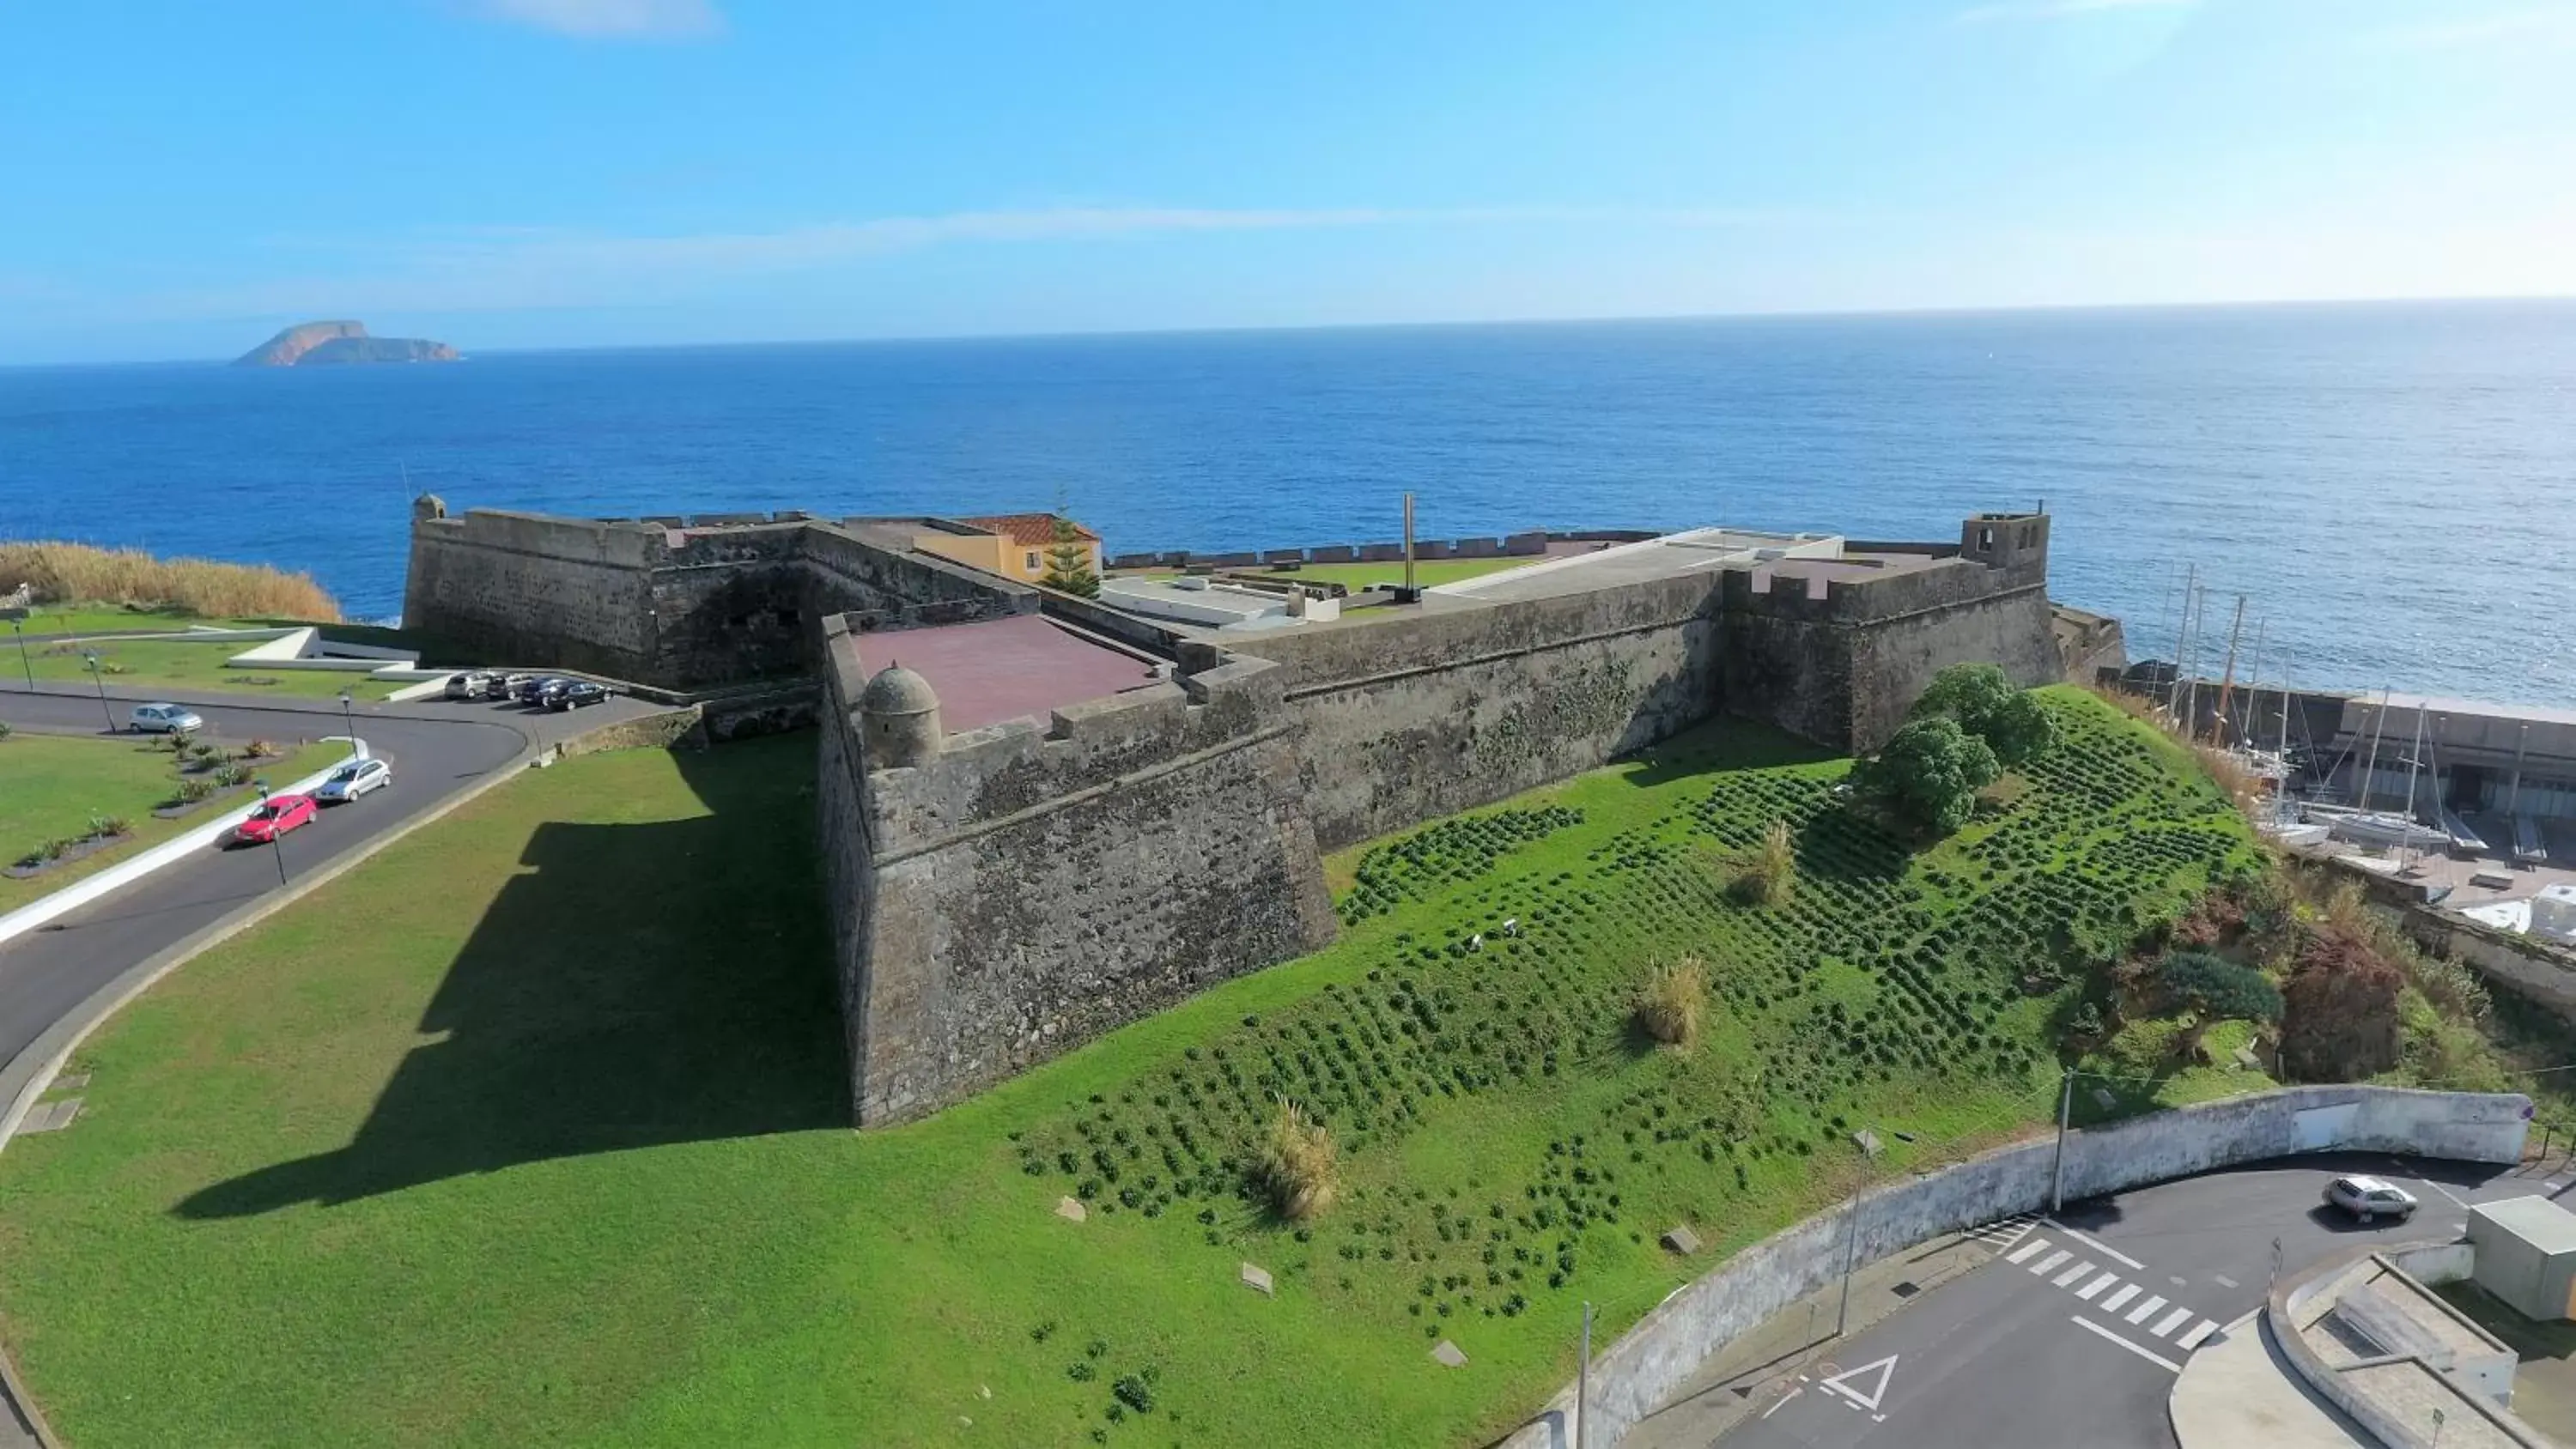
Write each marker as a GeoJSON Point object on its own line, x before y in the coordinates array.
{"type": "Point", "coordinates": [2391, 486]}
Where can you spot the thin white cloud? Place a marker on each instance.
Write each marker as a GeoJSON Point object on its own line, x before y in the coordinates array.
{"type": "Point", "coordinates": [2059, 9]}
{"type": "Point", "coordinates": [2552, 26]}
{"type": "Point", "coordinates": [611, 19]}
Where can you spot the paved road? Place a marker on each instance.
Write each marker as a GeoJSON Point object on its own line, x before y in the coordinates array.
{"type": "Point", "coordinates": [434, 749]}
{"type": "Point", "coordinates": [2074, 1337]}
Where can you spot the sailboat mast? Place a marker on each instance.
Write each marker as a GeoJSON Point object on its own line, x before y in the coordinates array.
{"type": "Point", "coordinates": [2227, 684]}
{"type": "Point", "coordinates": [2182, 645]}
{"type": "Point", "coordinates": [2370, 765]}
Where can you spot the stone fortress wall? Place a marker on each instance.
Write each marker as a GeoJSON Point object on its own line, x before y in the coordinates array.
{"type": "Point", "coordinates": [679, 603]}
{"type": "Point", "coordinates": [1004, 893]}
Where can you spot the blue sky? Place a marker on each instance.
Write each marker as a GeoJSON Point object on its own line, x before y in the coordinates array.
{"type": "Point", "coordinates": [181, 178]}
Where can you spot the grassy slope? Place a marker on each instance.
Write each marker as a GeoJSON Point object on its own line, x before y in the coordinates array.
{"type": "Point", "coordinates": [192, 668]}
{"type": "Point", "coordinates": [559, 1161]}
{"type": "Point", "coordinates": [57, 782]}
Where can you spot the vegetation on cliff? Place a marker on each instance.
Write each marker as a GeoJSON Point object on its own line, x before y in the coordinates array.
{"type": "Point", "coordinates": [493, 1180]}
{"type": "Point", "coordinates": [79, 573]}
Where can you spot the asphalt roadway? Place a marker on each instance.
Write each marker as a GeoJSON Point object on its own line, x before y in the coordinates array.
{"type": "Point", "coordinates": [2071, 1332]}
{"type": "Point", "coordinates": [435, 748]}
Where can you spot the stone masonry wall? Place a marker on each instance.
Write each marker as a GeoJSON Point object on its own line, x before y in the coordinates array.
{"type": "Point", "coordinates": [531, 589]}
{"type": "Point", "coordinates": [1408, 717]}
{"type": "Point", "coordinates": [1032, 888]}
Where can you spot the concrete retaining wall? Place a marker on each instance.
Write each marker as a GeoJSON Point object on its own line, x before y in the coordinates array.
{"type": "Point", "coordinates": [1656, 1356]}
{"type": "Point", "coordinates": [2472, 1419]}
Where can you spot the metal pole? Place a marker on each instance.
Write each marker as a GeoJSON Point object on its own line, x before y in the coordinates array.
{"type": "Point", "coordinates": [100, 684]}
{"type": "Point", "coordinates": [2057, 1170]}
{"type": "Point", "coordinates": [1583, 1371]}
{"type": "Point", "coordinates": [1851, 1246]}
{"type": "Point", "coordinates": [20, 629]}
{"type": "Point", "coordinates": [276, 837]}
{"type": "Point", "coordinates": [351, 722]}
{"type": "Point", "coordinates": [1408, 543]}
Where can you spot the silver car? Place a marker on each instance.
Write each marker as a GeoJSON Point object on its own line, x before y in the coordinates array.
{"type": "Point", "coordinates": [356, 778]}
{"type": "Point", "coordinates": [164, 719]}
{"type": "Point", "coordinates": [2370, 1198]}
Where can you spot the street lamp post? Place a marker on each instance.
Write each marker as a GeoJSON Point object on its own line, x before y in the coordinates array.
{"type": "Point", "coordinates": [276, 837]}
{"type": "Point", "coordinates": [18, 626]}
{"type": "Point", "coordinates": [99, 680]}
{"type": "Point", "coordinates": [2057, 1168]}
{"type": "Point", "coordinates": [352, 723]}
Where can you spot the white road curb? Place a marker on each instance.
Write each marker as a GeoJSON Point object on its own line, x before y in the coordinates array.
{"type": "Point", "coordinates": [169, 852]}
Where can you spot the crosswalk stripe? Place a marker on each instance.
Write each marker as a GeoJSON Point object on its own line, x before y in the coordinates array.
{"type": "Point", "coordinates": [2068, 1278]}
{"type": "Point", "coordinates": [2154, 1358]}
{"type": "Point", "coordinates": [2171, 1321]}
{"type": "Point", "coordinates": [2026, 1250]}
{"type": "Point", "coordinates": [2140, 1313]}
{"type": "Point", "coordinates": [2048, 1265]}
{"type": "Point", "coordinates": [2199, 1331]}
{"type": "Point", "coordinates": [2097, 1285]}
{"type": "Point", "coordinates": [2127, 1292]}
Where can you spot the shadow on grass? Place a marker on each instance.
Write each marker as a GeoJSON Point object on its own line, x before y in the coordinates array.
{"type": "Point", "coordinates": [1725, 743]}
{"type": "Point", "coordinates": [635, 986]}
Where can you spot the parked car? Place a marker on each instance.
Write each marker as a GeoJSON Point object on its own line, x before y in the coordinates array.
{"type": "Point", "coordinates": [473, 684]}
{"type": "Point", "coordinates": [2368, 1198]}
{"type": "Point", "coordinates": [505, 686]}
{"type": "Point", "coordinates": [163, 719]}
{"type": "Point", "coordinates": [275, 816]}
{"type": "Point", "coordinates": [575, 694]}
{"type": "Point", "coordinates": [548, 688]}
{"type": "Point", "coordinates": [356, 778]}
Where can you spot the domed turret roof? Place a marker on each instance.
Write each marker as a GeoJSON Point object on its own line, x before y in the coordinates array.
{"type": "Point", "coordinates": [897, 690]}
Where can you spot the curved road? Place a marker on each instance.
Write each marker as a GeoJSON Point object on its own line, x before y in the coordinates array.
{"type": "Point", "coordinates": [435, 749]}
{"type": "Point", "coordinates": [2074, 1328]}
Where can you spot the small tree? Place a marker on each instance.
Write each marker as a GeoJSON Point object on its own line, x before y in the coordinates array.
{"type": "Point", "coordinates": [1986, 705]}
{"type": "Point", "coordinates": [1930, 772]}
{"type": "Point", "coordinates": [1068, 567]}
{"type": "Point", "coordinates": [2214, 989]}
{"type": "Point", "coordinates": [2339, 1020]}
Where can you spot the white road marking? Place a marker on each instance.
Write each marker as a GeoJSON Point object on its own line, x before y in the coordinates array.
{"type": "Point", "coordinates": [2428, 1182]}
{"type": "Point", "coordinates": [2097, 1285]}
{"type": "Point", "coordinates": [2141, 1313]}
{"type": "Point", "coordinates": [2067, 1279]}
{"type": "Point", "coordinates": [2226, 1282]}
{"type": "Point", "coordinates": [2170, 1322]}
{"type": "Point", "coordinates": [2179, 1282]}
{"type": "Point", "coordinates": [2159, 1360]}
{"type": "Point", "coordinates": [2026, 1250]}
{"type": "Point", "coordinates": [1784, 1398]}
{"type": "Point", "coordinates": [2048, 1265]}
{"type": "Point", "coordinates": [2192, 1339]}
{"type": "Point", "coordinates": [2096, 1245]}
{"type": "Point", "coordinates": [1885, 1369]}
{"type": "Point", "coordinates": [2127, 1292]}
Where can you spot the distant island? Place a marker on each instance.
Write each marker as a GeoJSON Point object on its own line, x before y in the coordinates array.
{"type": "Point", "coordinates": [313, 344]}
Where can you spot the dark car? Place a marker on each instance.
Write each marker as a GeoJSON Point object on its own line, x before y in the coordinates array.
{"type": "Point", "coordinates": [505, 686]}
{"type": "Point", "coordinates": [575, 694]}
{"type": "Point", "coordinates": [532, 688]}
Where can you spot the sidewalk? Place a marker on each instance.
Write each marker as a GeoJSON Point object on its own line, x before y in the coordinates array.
{"type": "Point", "coordinates": [1744, 1378]}
{"type": "Point", "coordinates": [2237, 1389]}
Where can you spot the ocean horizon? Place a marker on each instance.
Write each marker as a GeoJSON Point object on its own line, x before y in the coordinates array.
{"type": "Point", "coordinates": [2392, 486]}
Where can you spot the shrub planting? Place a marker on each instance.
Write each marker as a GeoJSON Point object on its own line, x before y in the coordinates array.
{"type": "Point", "coordinates": [1669, 1001]}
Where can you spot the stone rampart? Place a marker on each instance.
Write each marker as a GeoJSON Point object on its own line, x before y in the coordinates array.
{"type": "Point", "coordinates": [1031, 886]}
{"type": "Point", "coordinates": [1660, 1353]}
{"type": "Point", "coordinates": [727, 597]}
{"type": "Point", "coordinates": [1410, 716]}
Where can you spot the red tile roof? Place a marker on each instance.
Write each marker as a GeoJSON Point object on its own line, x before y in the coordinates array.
{"type": "Point", "coordinates": [1036, 529]}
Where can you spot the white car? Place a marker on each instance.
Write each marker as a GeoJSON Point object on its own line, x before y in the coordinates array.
{"type": "Point", "coordinates": [356, 778]}
{"type": "Point", "coordinates": [163, 719]}
{"type": "Point", "coordinates": [2368, 1198]}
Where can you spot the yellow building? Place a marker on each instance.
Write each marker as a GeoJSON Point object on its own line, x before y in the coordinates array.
{"type": "Point", "coordinates": [1014, 545]}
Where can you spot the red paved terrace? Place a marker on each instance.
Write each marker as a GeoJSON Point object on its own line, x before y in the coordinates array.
{"type": "Point", "coordinates": [998, 669]}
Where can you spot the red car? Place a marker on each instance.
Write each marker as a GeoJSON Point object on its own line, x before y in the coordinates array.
{"type": "Point", "coordinates": [275, 816]}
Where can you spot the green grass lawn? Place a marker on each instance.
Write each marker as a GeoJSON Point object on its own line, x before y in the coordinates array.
{"type": "Point", "coordinates": [565, 1158]}
{"type": "Point", "coordinates": [187, 668]}
{"type": "Point", "coordinates": [1426, 572]}
{"type": "Point", "coordinates": [116, 618]}
{"type": "Point", "coordinates": [56, 783]}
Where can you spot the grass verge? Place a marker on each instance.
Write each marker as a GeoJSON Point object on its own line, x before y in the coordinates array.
{"type": "Point", "coordinates": [56, 783]}
{"type": "Point", "coordinates": [562, 1160]}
